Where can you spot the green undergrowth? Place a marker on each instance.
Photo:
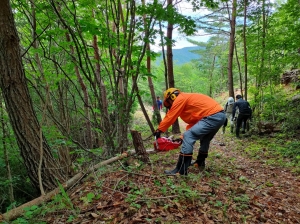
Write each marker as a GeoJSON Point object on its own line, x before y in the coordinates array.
{"type": "Point", "coordinates": [277, 149]}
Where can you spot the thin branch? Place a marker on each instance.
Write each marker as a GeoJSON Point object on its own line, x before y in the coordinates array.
{"type": "Point", "coordinates": [32, 42]}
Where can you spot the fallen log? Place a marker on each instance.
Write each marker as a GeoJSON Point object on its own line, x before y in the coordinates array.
{"type": "Point", "coordinates": [17, 212]}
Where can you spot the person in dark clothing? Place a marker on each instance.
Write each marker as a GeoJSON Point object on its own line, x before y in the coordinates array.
{"type": "Point", "coordinates": [159, 103]}
{"type": "Point", "coordinates": [245, 113]}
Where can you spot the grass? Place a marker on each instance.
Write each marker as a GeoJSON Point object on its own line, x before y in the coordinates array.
{"type": "Point", "coordinates": [277, 150]}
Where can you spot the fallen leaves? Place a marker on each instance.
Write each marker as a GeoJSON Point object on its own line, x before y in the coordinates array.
{"type": "Point", "coordinates": [234, 189]}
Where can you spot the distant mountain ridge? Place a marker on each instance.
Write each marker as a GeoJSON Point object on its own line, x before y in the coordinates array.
{"type": "Point", "coordinates": [181, 56]}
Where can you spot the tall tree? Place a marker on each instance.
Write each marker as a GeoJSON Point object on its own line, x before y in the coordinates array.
{"type": "Point", "coordinates": [232, 18]}
{"type": "Point", "coordinates": [245, 50]}
{"type": "Point", "coordinates": [170, 71]}
{"type": "Point", "coordinates": [6, 156]}
{"type": "Point", "coordinates": [260, 75]}
{"type": "Point", "coordinates": [19, 106]}
{"type": "Point", "coordinates": [150, 82]}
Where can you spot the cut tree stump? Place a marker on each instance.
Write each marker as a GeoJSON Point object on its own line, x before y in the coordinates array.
{"type": "Point", "coordinates": [139, 146]}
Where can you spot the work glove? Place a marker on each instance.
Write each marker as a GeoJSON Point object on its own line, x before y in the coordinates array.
{"type": "Point", "coordinates": [179, 140]}
{"type": "Point", "coordinates": [157, 133]}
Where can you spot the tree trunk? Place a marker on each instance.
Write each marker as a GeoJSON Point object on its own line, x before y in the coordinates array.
{"type": "Point", "coordinates": [262, 59]}
{"type": "Point", "coordinates": [164, 60]}
{"type": "Point", "coordinates": [19, 105]}
{"type": "Point", "coordinates": [139, 147]}
{"type": "Point", "coordinates": [88, 127]}
{"type": "Point", "coordinates": [175, 126]}
{"type": "Point", "coordinates": [144, 111]}
{"type": "Point", "coordinates": [4, 145]}
{"type": "Point", "coordinates": [245, 49]}
{"type": "Point", "coordinates": [164, 57]}
{"type": "Point", "coordinates": [151, 87]}
{"type": "Point", "coordinates": [231, 48]}
{"type": "Point", "coordinates": [239, 69]}
{"type": "Point", "coordinates": [106, 122]}
{"type": "Point", "coordinates": [211, 75]}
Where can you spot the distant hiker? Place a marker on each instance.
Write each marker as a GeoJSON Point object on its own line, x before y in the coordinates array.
{"type": "Point", "coordinates": [159, 103]}
{"type": "Point", "coordinates": [245, 113]}
{"type": "Point", "coordinates": [204, 117]}
{"type": "Point", "coordinates": [228, 108]}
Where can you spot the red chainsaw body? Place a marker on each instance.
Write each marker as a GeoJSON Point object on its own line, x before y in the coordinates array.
{"type": "Point", "coordinates": [165, 144]}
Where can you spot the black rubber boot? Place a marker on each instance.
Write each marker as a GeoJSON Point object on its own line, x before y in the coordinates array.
{"type": "Point", "coordinates": [184, 161]}
{"type": "Point", "coordinates": [200, 165]}
{"type": "Point", "coordinates": [200, 162]}
{"type": "Point", "coordinates": [187, 160]}
{"type": "Point", "coordinates": [173, 172]}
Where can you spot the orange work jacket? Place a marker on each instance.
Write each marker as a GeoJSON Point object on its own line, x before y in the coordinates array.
{"type": "Point", "coordinates": [190, 107]}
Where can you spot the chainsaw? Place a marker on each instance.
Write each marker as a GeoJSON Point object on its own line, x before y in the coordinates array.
{"type": "Point", "coordinates": [165, 144]}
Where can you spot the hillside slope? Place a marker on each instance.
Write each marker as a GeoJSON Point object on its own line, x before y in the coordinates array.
{"type": "Point", "coordinates": [181, 56]}
{"type": "Point", "coordinates": [241, 184]}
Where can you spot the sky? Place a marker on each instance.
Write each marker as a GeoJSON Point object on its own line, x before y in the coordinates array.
{"type": "Point", "coordinates": [181, 41]}
{"type": "Point", "coordinates": [186, 9]}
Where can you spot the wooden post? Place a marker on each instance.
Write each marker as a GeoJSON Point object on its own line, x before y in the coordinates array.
{"type": "Point", "coordinates": [139, 147]}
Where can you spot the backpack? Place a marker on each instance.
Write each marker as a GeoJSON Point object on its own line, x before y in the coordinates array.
{"type": "Point", "coordinates": [228, 108]}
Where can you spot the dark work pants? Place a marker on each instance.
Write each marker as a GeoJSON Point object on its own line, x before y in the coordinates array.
{"type": "Point", "coordinates": [204, 130]}
{"type": "Point", "coordinates": [242, 119]}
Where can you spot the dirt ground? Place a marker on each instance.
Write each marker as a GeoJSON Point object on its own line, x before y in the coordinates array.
{"type": "Point", "coordinates": [234, 188]}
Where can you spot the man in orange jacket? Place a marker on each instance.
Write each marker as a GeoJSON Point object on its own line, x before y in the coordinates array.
{"type": "Point", "coordinates": [204, 117]}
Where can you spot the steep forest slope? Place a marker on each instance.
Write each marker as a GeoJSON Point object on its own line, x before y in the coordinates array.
{"type": "Point", "coordinates": [181, 56]}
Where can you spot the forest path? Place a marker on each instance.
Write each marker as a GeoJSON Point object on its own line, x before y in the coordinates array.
{"type": "Point", "coordinates": [249, 183]}
{"type": "Point", "coordinates": [274, 191]}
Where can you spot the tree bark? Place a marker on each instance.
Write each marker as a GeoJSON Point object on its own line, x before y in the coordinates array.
{"type": "Point", "coordinates": [261, 74]}
{"type": "Point", "coordinates": [88, 131]}
{"type": "Point", "coordinates": [231, 48]}
{"type": "Point", "coordinates": [106, 123]}
{"type": "Point", "coordinates": [239, 69]}
{"type": "Point", "coordinates": [245, 50]}
{"type": "Point", "coordinates": [150, 83]}
{"type": "Point", "coordinates": [211, 75]}
{"type": "Point", "coordinates": [19, 105]}
{"type": "Point", "coordinates": [5, 151]}
{"type": "Point", "coordinates": [139, 146]}
{"type": "Point", "coordinates": [175, 126]}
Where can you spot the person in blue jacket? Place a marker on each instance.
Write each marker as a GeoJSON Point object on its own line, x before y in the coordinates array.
{"type": "Point", "coordinates": [159, 103]}
{"type": "Point", "coordinates": [245, 113]}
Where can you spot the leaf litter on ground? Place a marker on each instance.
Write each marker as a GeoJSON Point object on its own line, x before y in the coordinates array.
{"type": "Point", "coordinates": [235, 188]}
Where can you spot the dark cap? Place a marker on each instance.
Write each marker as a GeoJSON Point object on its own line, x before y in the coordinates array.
{"type": "Point", "coordinates": [238, 96]}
